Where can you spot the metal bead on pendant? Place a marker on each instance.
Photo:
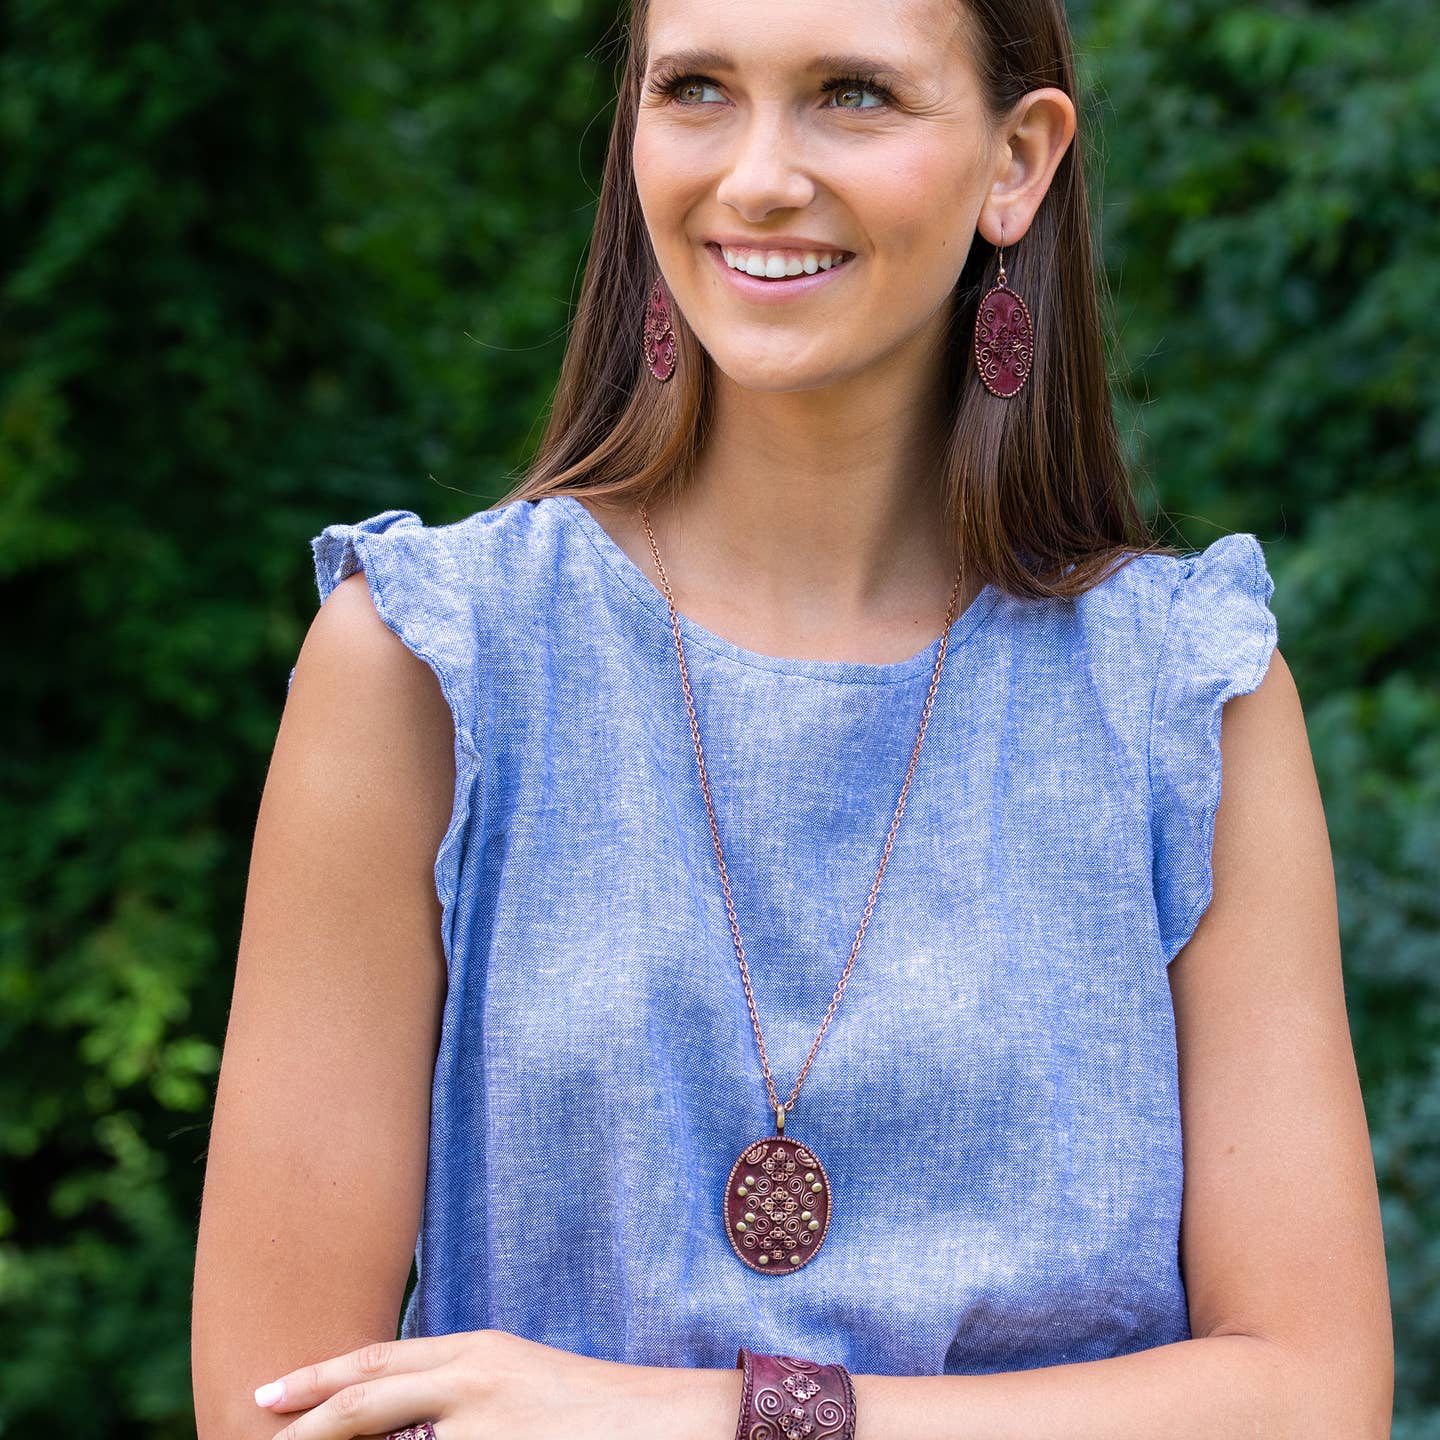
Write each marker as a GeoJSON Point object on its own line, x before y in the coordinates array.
{"type": "Point", "coordinates": [777, 1206]}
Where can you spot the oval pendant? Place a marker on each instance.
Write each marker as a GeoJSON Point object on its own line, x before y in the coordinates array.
{"type": "Point", "coordinates": [659, 333]}
{"type": "Point", "coordinates": [1004, 341]}
{"type": "Point", "coordinates": [777, 1205]}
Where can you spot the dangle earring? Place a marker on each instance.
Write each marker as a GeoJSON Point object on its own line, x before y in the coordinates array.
{"type": "Point", "coordinates": [1004, 336]}
{"type": "Point", "coordinates": [659, 333]}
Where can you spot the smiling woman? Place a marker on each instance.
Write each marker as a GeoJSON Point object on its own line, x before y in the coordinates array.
{"type": "Point", "coordinates": [900, 133]}
{"type": "Point", "coordinates": [1082, 1153]}
{"type": "Point", "coordinates": [893, 148]}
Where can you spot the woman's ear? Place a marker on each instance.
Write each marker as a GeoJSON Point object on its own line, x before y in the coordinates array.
{"type": "Point", "coordinates": [1042, 124]}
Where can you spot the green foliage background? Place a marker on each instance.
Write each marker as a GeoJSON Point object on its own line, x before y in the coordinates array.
{"type": "Point", "coordinates": [267, 267]}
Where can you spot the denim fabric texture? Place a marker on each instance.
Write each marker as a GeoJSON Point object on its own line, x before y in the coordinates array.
{"type": "Point", "coordinates": [996, 1100]}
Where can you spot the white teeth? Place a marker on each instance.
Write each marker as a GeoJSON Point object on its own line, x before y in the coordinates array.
{"type": "Point", "coordinates": [780, 264]}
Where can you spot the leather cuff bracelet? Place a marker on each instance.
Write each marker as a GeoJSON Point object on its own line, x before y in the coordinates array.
{"type": "Point", "coordinates": [783, 1398]}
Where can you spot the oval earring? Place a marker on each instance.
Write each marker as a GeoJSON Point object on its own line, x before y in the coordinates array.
{"type": "Point", "coordinates": [1004, 336]}
{"type": "Point", "coordinates": [658, 338]}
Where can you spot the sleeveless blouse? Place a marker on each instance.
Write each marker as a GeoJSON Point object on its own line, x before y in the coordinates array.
{"type": "Point", "coordinates": [995, 1102]}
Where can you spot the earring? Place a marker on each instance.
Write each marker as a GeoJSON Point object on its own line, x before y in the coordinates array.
{"type": "Point", "coordinates": [659, 334]}
{"type": "Point", "coordinates": [1004, 336]}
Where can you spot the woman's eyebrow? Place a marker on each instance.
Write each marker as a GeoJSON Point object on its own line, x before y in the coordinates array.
{"type": "Point", "coordinates": [705, 59]}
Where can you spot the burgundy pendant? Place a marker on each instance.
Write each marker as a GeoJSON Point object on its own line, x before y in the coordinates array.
{"type": "Point", "coordinates": [1004, 341]}
{"type": "Point", "coordinates": [777, 1206]}
{"type": "Point", "coordinates": [659, 333]}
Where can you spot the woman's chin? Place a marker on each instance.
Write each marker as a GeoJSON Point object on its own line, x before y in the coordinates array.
{"type": "Point", "coordinates": [775, 373]}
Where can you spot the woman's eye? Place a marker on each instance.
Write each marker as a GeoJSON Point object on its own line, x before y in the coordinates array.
{"type": "Point", "coordinates": [849, 95]}
{"type": "Point", "coordinates": [687, 90]}
{"type": "Point", "coordinates": [847, 91]}
{"type": "Point", "coordinates": [846, 94]}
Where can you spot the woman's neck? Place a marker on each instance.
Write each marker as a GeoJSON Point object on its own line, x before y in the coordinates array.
{"type": "Point", "coordinates": [826, 501]}
{"type": "Point", "coordinates": [811, 526]}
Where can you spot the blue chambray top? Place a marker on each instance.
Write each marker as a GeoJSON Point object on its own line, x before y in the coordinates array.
{"type": "Point", "coordinates": [995, 1102]}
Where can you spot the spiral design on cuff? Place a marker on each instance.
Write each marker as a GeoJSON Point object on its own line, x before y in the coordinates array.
{"type": "Point", "coordinates": [784, 1397]}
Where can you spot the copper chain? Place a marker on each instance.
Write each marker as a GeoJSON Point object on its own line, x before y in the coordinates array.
{"type": "Point", "coordinates": [775, 1105]}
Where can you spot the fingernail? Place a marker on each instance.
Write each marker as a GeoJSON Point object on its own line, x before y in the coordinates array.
{"type": "Point", "coordinates": [269, 1394]}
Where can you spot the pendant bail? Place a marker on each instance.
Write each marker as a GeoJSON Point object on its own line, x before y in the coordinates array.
{"type": "Point", "coordinates": [779, 1119]}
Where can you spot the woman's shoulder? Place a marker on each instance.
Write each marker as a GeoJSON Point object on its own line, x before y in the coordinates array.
{"type": "Point", "coordinates": [460, 571]}
{"type": "Point", "coordinates": [1148, 656]}
{"type": "Point", "coordinates": [1151, 604]}
{"type": "Point", "coordinates": [400, 539]}
{"type": "Point", "coordinates": [430, 584]}
{"type": "Point", "coordinates": [1232, 561]}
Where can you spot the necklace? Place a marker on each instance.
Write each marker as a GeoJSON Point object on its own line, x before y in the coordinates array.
{"type": "Point", "coordinates": [777, 1203]}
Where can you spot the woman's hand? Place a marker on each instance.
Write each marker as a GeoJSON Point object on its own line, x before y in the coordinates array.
{"type": "Point", "coordinates": [491, 1385]}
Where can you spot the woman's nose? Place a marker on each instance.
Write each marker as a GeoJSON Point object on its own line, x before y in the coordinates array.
{"type": "Point", "coordinates": [764, 169]}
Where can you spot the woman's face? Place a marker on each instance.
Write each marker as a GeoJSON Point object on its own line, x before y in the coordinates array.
{"type": "Point", "coordinates": [790, 133]}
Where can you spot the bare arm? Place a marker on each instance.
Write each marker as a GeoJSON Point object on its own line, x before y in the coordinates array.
{"type": "Point", "coordinates": [315, 1173]}
{"type": "Point", "coordinates": [1281, 1242]}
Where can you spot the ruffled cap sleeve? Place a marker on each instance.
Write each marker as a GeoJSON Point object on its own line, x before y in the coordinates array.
{"type": "Point", "coordinates": [1217, 644]}
{"type": "Point", "coordinates": [420, 580]}
{"type": "Point", "coordinates": [340, 550]}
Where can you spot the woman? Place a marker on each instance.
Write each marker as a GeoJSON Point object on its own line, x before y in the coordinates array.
{"type": "Point", "coordinates": [817, 701]}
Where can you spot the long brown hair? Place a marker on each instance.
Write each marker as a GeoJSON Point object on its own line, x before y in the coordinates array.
{"type": "Point", "coordinates": [1036, 485]}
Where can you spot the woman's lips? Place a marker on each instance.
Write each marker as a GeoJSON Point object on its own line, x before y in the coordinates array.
{"type": "Point", "coordinates": [792, 287]}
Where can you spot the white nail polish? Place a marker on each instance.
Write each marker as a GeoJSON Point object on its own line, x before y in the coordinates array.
{"type": "Point", "coordinates": [269, 1394]}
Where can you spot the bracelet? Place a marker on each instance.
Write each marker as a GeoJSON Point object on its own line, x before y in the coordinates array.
{"type": "Point", "coordinates": [799, 1399]}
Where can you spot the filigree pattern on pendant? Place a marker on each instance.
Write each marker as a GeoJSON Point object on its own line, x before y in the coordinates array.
{"type": "Point", "coordinates": [659, 333]}
{"type": "Point", "coordinates": [1004, 341]}
{"type": "Point", "coordinates": [777, 1208]}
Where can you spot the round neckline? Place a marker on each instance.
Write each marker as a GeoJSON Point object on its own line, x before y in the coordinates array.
{"type": "Point", "coordinates": [852, 672]}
